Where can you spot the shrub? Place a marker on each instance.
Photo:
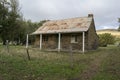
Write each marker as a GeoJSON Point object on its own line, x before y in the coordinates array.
{"type": "Point", "coordinates": [105, 39]}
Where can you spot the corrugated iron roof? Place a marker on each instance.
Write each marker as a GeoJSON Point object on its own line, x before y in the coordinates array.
{"type": "Point", "coordinates": [65, 26]}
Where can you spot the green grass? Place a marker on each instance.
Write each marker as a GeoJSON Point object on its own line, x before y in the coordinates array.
{"type": "Point", "coordinates": [56, 66]}
{"type": "Point", "coordinates": [110, 67]}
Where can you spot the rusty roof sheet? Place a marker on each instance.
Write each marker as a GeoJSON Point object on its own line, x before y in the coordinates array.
{"type": "Point", "coordinates": [65, 26]}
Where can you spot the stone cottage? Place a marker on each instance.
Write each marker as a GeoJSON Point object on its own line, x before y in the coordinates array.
{"type": "Point", "coordinates": [79, 33]}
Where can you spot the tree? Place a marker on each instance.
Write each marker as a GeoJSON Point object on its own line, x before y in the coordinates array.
{"type": "Point", "coordinates": [4, 29]}
{"type": "Point", "coordinates": [119, 28]}
{"type": "Point", "coordinates": [119, 25]}
{"type": "Point", "coordinates": [105, 39]}
{"type": "Point", "coordinates": [14, 19]}
{"type": "Point", "coordinates": [12, 25]}
{"type": "Point", "coordinates": [9, 17]}
{"type": "Point", "coordinates": [29, 27]}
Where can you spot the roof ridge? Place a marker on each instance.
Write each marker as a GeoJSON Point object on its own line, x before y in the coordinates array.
{"type": "Point", "coordinates": [69, 18]}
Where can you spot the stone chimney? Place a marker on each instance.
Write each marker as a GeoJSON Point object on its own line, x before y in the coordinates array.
{"type": "Point", "coordinates": [90, 15]}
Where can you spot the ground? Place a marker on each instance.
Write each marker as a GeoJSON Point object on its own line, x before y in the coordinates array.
{"type": "Point", "coordinates": [102, 64]}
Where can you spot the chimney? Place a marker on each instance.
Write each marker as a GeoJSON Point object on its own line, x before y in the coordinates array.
{"type": "Point", "coordinates": [90, 15]}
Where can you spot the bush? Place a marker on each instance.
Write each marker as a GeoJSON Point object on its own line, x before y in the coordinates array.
{"type": "Point", "coordinates": [105, 39]}
{"type": "Point", "coordinates": [119, 28]}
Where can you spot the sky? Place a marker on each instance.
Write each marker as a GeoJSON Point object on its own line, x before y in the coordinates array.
{"type": "Point", "coordinates": [106, 12]}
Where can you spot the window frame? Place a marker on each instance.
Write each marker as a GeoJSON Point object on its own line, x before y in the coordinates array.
{"type": "Point", "coordinates": [45, 38]}
{"type": "Point", "coordinates": [74, 38]}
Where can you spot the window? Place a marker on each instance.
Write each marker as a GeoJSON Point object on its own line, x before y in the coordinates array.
{"type": "Point", "coordinates": [45, 38]}
{"type": "Point", "coordinates": [74, 39]}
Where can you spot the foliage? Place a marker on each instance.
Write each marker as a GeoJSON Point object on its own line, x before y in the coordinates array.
{"type": "Point", "coordinates": [119, 25]}
{"type": "Point", "coordinates": [10, 16]}
{"type": "Point", "coordinates": [12, 25]}
{"type": "Point", "coordinates": [105, 39]}
{"type": "Point", "coordinates": [119, 28]}
{"type": "Point", "coordinates": [28, 27]}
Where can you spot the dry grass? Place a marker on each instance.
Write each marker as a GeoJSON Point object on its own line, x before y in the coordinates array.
{"type": "Point", "coordinates": [56, 66]}
{"type": "Point", "coordinates": [114, 33]}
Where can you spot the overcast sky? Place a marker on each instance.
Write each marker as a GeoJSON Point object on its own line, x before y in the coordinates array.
{"type": "Point", "coordinates": [106, 12]}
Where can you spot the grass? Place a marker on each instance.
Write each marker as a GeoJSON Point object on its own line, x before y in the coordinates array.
{"type": "Point", "coordinates": [110, 67]}
{"type": "Point", "coordinates": [113, 32]}
{"type": "Point", "coordinates": [57, 66]}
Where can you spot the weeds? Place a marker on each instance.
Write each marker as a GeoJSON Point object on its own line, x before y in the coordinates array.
{"type": "Point", "coordinates": [56, 66]}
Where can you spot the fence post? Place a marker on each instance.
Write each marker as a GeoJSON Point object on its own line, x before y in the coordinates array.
{"type": "Point", "coordinates": [71, 57]}
{"type": "Point", "coordinates": [7, 45]}
{"type": "Point", "coordinates": [28, 55]}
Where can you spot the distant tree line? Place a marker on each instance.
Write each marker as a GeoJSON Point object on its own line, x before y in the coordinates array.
{"type": "Point", "coordinates": [12, 25]}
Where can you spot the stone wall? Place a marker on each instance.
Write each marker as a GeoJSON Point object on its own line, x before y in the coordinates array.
{"type": "Point", "coordinates": [52, 42]}
{"type": "Point", "coordinates": [92, 37]}
{"type": "Point", "coordinates": [66, 41]}
{"type": "Point", "coordinates": [37, 41]}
